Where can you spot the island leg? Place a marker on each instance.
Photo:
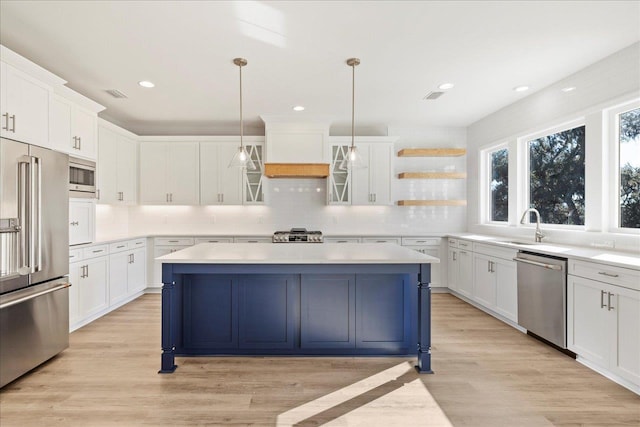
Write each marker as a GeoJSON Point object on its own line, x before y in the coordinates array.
{"type": "Point", "coordinates": [424, 320]}
{"type": "Point", "coordinates": [167, 360]}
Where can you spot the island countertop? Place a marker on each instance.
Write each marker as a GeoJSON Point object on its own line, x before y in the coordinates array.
{"type": "Point", "coordinates": [297, 253]}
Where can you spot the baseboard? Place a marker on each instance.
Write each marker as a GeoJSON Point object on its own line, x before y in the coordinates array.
{"type": "Point", "coordinates": [101, 313]}
{"type": "Point", "coordinates": [488, 311]}
{"type": "Point", "coordinates": [609, 375]}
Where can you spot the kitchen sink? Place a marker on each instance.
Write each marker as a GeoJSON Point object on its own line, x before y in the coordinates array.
{"type": "Point", "coordinates": [513, 242]}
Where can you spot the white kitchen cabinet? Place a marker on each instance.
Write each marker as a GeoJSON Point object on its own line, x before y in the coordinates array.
{"type": "Point", "coordinates": [452, 269]}
{"type": "Point", "coordinates": [164, 246]}
{"type": "Point", "coordinates": [252, 239]}
{"type": "Point", "coordinates": [82, 215]}
{"type": "Point", "coordinates": [169, 173]}
{"type": "Point", "coordinates": [495, 280]}
{"type": "Point", "coordinates": [603, 322]}
{"type": "Point", "coordinates": [428, 246]}
{"type": "Point", "coordinates": [372, 185]}
{"type": "Point", "coordinates": [126, 271]}
{"type": "Point", "coordinates": [339, 181]}
{"type": "Point", "coordinates": [73, 129]}
{"type": "Point", "coordinates": [219, 184]}
{"type": "Point", "coordinates": [465, 273]}
{"type": "Point", "coordinates": [24, 107]}
{"type": "Point", "coordinates": [92, 285]}
{"type": "Point", "coordinates": [506, 288]}
{"type": "Point", "coordinates": [484, 280]}
{"type": "Point", "coordinates": [117, 160]}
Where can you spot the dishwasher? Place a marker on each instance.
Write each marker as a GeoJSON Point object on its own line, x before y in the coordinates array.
{"type": "Point", "coordinates": [542, 296]}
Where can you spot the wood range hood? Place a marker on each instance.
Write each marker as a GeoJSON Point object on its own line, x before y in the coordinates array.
{"type": "Point", "coordinates": [296, 146]}
{"type": "Point", "coordinates": [296, 170]}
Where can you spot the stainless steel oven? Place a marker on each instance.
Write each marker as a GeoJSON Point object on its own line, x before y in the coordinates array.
{"type": "Point", "coordinates": [82, 178]}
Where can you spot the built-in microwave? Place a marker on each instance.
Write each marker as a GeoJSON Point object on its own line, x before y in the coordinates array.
{"type": "Point", "coordinates": [82, 178]}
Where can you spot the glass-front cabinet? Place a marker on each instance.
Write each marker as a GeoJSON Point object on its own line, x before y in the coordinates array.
{"type": "Point", "coordinates": [253, 179]}
{"type": "Point", "coordinates": [339, 182]}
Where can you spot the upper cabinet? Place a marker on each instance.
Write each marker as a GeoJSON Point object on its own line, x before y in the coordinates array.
{"type": "Point", "coordinates": [169, 173]}
{"type": "Point", "coordinates": [117, 167]}
{"type": "Point", "coordinates": [73, 128]}
{"type": "Point", "coordinates": [24, 105]}
{"type": "Point", "coordinates": [219, 184]}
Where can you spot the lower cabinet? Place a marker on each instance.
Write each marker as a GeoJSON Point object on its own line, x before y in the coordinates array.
{"type": "Point", "coordinates": [495, 284]}
{"type": "Point", "coordinates": [90, 278]}
{"type": "Point", "coordinates": [603, 322]}
{"type": "Point", "coordinates": [126, 274]}
{"type": "Point", "coordinates": [465, 273]}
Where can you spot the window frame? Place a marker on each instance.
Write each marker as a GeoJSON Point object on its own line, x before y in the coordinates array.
{"type": "Point", "coordinates": [524, 174]}
{"type": "Point", "coordinates": [485, 182]}
{"type": "Point", "coordinates": [613, 163]}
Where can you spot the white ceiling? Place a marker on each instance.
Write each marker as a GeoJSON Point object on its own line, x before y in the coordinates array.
{"type": "Point", "coordinates": [297, 52]}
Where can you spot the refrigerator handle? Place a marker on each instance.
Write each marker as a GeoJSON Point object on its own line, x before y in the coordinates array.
{"type": "Point", "coordinates": [23, 170]}
{"type": "Point", "coordinates": [37, 212]}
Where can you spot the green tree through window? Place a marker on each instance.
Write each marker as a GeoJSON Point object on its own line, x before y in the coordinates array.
{"type": "Point", "coordinates": [629, 132]}
{"type": "Point", "coordinates": [556, 183]}
{"type": "Point", "coordinates": [499, 185]}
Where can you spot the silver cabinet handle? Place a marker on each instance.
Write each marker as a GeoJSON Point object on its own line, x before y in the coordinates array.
{"type": "Point", "coordinates": [375, 197]}
{"type": "Point", "coordinates": [98, 194]}
{"type": "Point", "coordinates": [539, 264]}
{"type": "Point", "coordinates": [610, 307]}
{"type": "Point", "coordinates": [455, 256]}
{"type": "Point", "coordinates": [6, 121]}
{"type": "Point", "coordinates": [166, 196]}
{"type": "Point", "coordinates": [222, 197]}
{"type": "Point", "coordinates": [133, 258]}
{"type": "Point", "coordinates": [13, 123]}
{"type": "Point", "coordinates": [604, 273]}
{"type": "Point", "coordinates": [171, 197]}
{"type": "Point", "coordinates": [87, 269]}
{"type": "Point", "coordinates": [79, 143]}
{"type": "Point", "coordinates": [120, 246]}
{"type": "Point", "coordinates": [602, 294]}
{"type": "Point", "coordinates": [97, 251]}
{"type": "Point", "coordinates": [173, 241]}
{"type": "Point", "coordinates": [74, 223]}
{"type": "Point", "coordinates": [489, 266]}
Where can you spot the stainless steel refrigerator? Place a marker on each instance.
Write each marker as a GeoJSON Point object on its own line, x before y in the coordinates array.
{"type": "Point", "coordinates": [34, 257]}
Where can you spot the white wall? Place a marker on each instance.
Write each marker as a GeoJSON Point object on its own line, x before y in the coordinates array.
{"type": "Point", "coordinates": [302, 203]}
{"type": "Point", "coordinates": [613, 80]}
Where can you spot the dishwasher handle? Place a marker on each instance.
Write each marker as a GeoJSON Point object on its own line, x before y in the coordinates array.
{"type": "Point", "coordinates": [539, 264]}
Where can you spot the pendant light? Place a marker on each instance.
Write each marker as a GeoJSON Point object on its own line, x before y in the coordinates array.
{"type": "Point", "coordinates": [353, 159]}
{"type": "Point", "coordinates": [241, 158]}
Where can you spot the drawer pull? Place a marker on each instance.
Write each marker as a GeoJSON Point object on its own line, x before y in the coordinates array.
{"type": "Point", "coordinates": [604, 273]}
{"type": "Point", "coordinates": [602, 294]}
{"type": "Point", "coordinates": [609, 301]}
{"type": "Point", "coordinates": [98, 251]}
{"type": "Point", "coordinates": [120, 246]}
{"type": "Point", "coordinates": [173, 241]}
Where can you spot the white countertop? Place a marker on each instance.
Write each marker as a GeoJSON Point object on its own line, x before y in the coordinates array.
{"type": "Point", "coordinates": [297, 253]}
{"type": "Point", "coordinates": [598, 255]}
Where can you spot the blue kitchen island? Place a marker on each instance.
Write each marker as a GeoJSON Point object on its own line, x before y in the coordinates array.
{"type": "Point", "coordinates": [351, 299]}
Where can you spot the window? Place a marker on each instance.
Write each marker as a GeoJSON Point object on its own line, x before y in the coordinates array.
{"type": "Point", "coordinates": [629, 168]}
{"type": "Point", "coordinates": [556, 176]}
{"type": "Point", "coordinates": [499, 185]}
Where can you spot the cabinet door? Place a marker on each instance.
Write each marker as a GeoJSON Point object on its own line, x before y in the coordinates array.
{"type": "Point", "coordinates": [74, 292]}
{"type": "Point", "coordinates": [484, 280]}
{"type": "Point", "coordinates": [183, 173]}
{"type": "Point", "coordinates": [81, 222]}
{"type": "Point", "coordinates": [136, 271]}
{"type": "Point", "coordinates": [506, 288]}
{"type": "Point", "coordinates": [126, 177]}
{"type": "Point", "coordinates": [60, 132]}
{"type": "Point", "coordinates": [153, 176]}
{"type": "Point", "coordinates": [327, 312]}
{"type": "Point", "coordinates": [383, 311]}
{"type": "Point", "coordinates": [230, 179]}
{"type": "Point", "coordinates": [118, 266]}
{"type": "Point", "coordinates": [107, 166]}
{"type": "Point", "coordinates": [624, 310]}
{"type": "Point", "coordinates": [452, 269]}
{"type": "Point", "coordinates": [588, 325]}
{"type": "Point", "coordinates": [94, 293]}
{"type": "Point", "coordinates": [26, 107]}
{"type": "Point", "coordinates": [83, 127]}
{"type": "Point", "coordinates": [360, 188]}
{"type": "Point", "coordinates": [157, 265]}
{"type": "Point", "coordinates": [465, 269]}
{"type": "Point", "coordinates": [380, 158]}
{"type": "Point", "coordinates": [209, 171]}
{"type": "Point", "coordinates": [339, 182]}
{"type": "Point", "coordinates": [267, 311]}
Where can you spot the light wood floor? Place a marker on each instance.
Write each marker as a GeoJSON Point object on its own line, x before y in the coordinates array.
{"type": "Point", "coordinates": [487, 374]}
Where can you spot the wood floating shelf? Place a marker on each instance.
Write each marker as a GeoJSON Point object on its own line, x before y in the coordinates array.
{"type": "Point", "coordinates": [432, 152]}
{"type": "Point", "coordinates": [432, 203]}
{"type": "Point", "coordinates": [432, 175]}
{"type": "Point", "coordinates": [296, 170]}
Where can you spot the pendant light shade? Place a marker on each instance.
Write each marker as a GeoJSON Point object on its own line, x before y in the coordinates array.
{"type": "Point", "coordinates": [353, 159]}
{"type": "Point", "coordinates": [241, 159]}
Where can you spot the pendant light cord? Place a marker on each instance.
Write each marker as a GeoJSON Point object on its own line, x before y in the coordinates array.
{"type": "Point", "coordinates": [241, 126]}
{"type": "Point", "coordinates": [353, 103]}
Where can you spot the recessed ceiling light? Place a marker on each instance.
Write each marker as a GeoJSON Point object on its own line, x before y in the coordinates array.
{"type": "Point", "coordinates": [298, 108]}
{"type": "Point", "coordinates": [568, 89]}
{"type": "Point", "coordinates": [445, 86]}
{"type": "Point", "coordinates": [521, 88]}
{"type": "Point", "coordinates": [146, 83]}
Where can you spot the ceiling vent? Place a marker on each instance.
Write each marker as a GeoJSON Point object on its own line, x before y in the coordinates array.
{"type": "Point", "coordinates": [433, 95]}
{"type": "Point", "coordinates": [116, 93]}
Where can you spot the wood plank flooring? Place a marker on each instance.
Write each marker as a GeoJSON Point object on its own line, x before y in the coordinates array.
{"type": "Point", "coordinates": [487, 374]}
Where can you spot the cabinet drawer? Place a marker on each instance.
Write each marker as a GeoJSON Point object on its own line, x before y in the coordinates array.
{"type": "Point", "coordinates": [494, 251]}
{"type": "Point", "coordinates": [453, 243]}
{"type": "Point", "coordinates": [173, 241]}
{"type": "Point", "coordinates": [95, 251]}
{"type": "Point", "coordinates": [420, 241]}
{"type": "Point", "coordinates": [395, 240]}
{"type": "Point", "coordinates": [138, 243]}
{"type": "Point", "coordinates": [118, 247]}
{"type": "Point", "coordinates": [625, 277]}
{"type": "Point", "coordinates": [465, 244]}
{"type": "Point", "coordinates": [75, 255]}
{"type": "Point", "coordinates": [341, 240]}
{"type": "Point", "coordinates": [252, 240]}
{"type": "Point", "coordinates": [214, 240]}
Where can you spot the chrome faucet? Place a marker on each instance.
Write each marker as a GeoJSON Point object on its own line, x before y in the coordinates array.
{"type": "Point", "coordinates": [539, 234]}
